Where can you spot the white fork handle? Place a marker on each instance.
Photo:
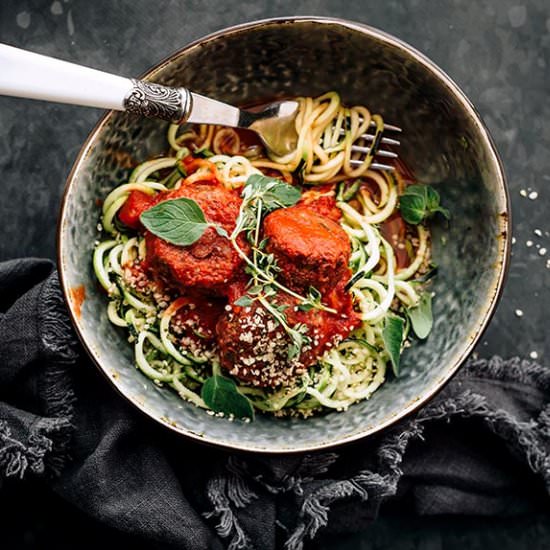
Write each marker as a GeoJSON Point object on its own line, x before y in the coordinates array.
{"type": "Point", "coordinates": [31, 75]}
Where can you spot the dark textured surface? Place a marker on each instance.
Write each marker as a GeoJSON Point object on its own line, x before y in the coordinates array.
{"type": "Point", "coordinates": [497, 51]}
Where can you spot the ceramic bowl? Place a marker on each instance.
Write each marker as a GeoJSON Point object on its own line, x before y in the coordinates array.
{"type": "Point", "coordinates": [444, 143]}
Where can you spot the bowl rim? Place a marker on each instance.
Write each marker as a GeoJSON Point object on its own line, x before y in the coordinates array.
{"type": "Point", "coordinates": [493, 294]}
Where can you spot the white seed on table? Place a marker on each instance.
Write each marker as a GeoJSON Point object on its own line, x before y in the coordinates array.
{"type": "Point", "coordinates": [519, 313]}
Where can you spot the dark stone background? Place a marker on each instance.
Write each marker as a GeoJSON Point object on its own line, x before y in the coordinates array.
{"type": "Point", "coordinates": [498, 51]}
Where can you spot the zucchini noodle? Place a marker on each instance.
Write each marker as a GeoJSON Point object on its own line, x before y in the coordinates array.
{"type": "Point", "coordinates": [348, 372]}
{"type": "Point", "coordinates": [326, 131]}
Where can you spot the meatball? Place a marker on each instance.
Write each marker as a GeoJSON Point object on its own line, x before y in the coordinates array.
{"type": "Point", "coordinates": [210, 262]}
{"type": "Point", "coordinates": [136, 203]}
{"type": "Point", "coordinates": [254, 347]}
{"type": "Point", "coordinates": [310, 249]}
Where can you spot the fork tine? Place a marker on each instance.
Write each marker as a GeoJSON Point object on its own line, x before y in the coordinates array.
{"type": "Point", "coordinates": [388, 127]}
{"type": "Point", "coordinates": [384, 140]}
{"type": "Point", "coordinates": [374, 165]}
{"type": "Point", "coordinates": [379, 152]}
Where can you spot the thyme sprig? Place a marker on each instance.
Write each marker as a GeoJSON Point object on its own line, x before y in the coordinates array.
{"type": "Point", "coordinates": [182, 222]}
{"type": "Point", "coordinates": [261, 195]}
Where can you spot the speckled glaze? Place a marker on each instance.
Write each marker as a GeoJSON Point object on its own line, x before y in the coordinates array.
{"type": "Point", "coordinates": [444, 143]}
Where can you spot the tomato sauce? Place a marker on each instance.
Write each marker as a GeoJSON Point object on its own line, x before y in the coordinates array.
{"type": "Point", "coordinates": [78, 295]}
{"type": "Point", "coordinates": [310, 248]}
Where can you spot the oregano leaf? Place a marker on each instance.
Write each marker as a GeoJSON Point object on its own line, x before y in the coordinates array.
{"type": "Point", "coordinates": [419, 202]}
{"type": "Point", "coordinates": [421, 316]}
{"type": "Point", "coordinates": [392, 335]}
{"type": "Point", "coordinates": [221, 395]}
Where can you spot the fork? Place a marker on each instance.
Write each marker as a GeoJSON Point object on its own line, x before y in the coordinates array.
{"type": "Point", "coordinates": [31, 75]}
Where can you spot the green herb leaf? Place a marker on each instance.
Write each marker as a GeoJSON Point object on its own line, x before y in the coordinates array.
{"type": "Point", "coordinates": [413, 208]}
{"type": "Point", "coordinates": [273, 192]}
{"type": "Point", "coordinates": [299, 339]}
{"type": "Point", "coordinates": [221, 231]}
{"type": "Point", "coordinates": [293, 351]}
{"type": "Point", "coordinates": [419, 202]}
{"type": "Point", "coordinates": [269, 291]}
{"type": "Point", "coordinates": [255, 290]}
{"type": "Point", "coordinates": [314, 294]}
{"type": "Point", "coordinates": [262, 244]}
{"type": "Point", "coordinates": [178, 221]}
{"type": "Point", "coordinates": [221, 395]}
{"type": "Point", "coordinates": [421, 316]}
{"type": "Point", "coordinates": [392, 334]}
{"type": "Point", "coordinates": [243, 301]}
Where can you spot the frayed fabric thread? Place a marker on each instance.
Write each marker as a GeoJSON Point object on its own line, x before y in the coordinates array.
{"type": "Point", "coordinates": [16, 457]}
{"type": "Point", "coordinates": [219, 490]}
{"type": "Point", "coordinates": [529, 440]}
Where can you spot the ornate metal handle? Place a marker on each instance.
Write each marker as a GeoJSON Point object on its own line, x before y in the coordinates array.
{"type": "Point", "coordinates": [27, 74]}
{"type": "Point", "coordinates": [157, 101]}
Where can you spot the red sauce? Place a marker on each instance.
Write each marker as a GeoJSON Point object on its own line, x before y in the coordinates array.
{"type": "Point", "coordinates": [198, 317]}
{"type": "Point", "coordinates": [78, 295]}
{"type": "Point", "coordinates": [311, 250]}
{"type": "Point", "coordinates": [254, 347]}
{"type": "Point", "coordinates": [394, 230]}
{"type": "Point", "coordinates": [136, 203]}
{"type": "Point", "coordinates": [322, 199]}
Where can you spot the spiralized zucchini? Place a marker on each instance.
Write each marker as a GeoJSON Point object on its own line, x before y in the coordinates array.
{"type": "Point", "coordinates": [349, 372]}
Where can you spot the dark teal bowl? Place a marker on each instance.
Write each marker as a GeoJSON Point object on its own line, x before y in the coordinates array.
{"type": "Point", "coordinates": [444, 142]}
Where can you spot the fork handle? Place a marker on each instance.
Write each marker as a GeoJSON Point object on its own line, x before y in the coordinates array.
{"type": "Point", "coordinates": [35, 76]}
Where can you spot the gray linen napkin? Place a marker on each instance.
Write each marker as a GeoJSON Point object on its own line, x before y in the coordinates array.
{"type": "Point", "coordinates": [481, 447]}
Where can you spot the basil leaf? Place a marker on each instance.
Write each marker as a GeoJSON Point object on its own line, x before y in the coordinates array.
{"type": "Point", "coordinates": [273, 192]}
{"type": "Point", "coordinates": [421, 316]}
{"type": "Point", "coordinates": [283, 195]}
{"type": "Point", "coordinates": [419, 202]}
{"type": "Point", "coordinates": [221, 395]}
{"type": "Point", "coordinates": [178, 221]}
{"type": "Point", "coordinates": [392, 334]}
{"type": "Point", "coordinates": [413, 207]}
{"type": "Point", "coordinates": [432, 197]}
